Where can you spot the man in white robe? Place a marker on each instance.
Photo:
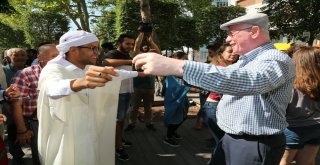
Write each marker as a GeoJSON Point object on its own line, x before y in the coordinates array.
{"type": "Point", "coordinates": [77, 105]}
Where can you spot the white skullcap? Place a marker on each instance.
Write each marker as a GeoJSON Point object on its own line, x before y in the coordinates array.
{"type": "Point", "coordinates": [74, 38]}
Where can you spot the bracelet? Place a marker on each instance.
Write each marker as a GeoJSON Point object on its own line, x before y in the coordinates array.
{"type": "Point", "coordinates": [20, 133]}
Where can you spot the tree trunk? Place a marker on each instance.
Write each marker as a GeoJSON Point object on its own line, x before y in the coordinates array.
{"type": "Point", "coordinates": [311, 39]}
{"type": "Point", "coordinates": [85, 15]}
{"type": "Point", "coordinates": [70, 15]}
{"type": "Point", "coordinates": [145, 11]}
{"type": "Point", "coordinates": [82, 12]}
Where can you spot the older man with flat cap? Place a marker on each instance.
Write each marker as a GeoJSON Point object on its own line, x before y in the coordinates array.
{"type": "Point", "coordinates": [76, 103]}
{"type": "Point", "coordinates": [256, 91]}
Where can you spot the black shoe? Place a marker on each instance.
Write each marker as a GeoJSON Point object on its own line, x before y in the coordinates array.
{"type": "Point", "coordinates": [141, 119]}
{"type": "Point", "coordinates": [171, 142]}
{"type": "Point", "coordinates": [122, 155]}
{"type": "Point", "coordinates": [18, 161]}
{"type": "Point", "coordinates": [126, 143]}
{"type": "Point", "coordinates": [151, 127]}
{"type": "Point", "coordinates": [176, 136]}
{"type": "Point", "coordinates": [129, 127]}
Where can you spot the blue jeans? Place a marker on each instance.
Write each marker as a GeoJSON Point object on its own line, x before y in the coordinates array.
{"type": "Point", "coordinates": [298, 137]}
{"type": "Point", "coordinates": [210, 109]}
{"type": "Point", "coordinates": [203, 98]}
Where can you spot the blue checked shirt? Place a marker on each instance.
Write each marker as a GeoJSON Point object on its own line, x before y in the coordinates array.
{"type": "Point", "coordinates": [256, 90]}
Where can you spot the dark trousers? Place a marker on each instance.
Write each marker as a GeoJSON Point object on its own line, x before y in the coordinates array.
{"type": "Point", "coordinates": [147, 95]}
{"type": "Point", "coordinates": [172, 128]}
{"type": "Point", "coordinates": [15, 148]}
{"type": "Point", "coordinates": [249, 150]}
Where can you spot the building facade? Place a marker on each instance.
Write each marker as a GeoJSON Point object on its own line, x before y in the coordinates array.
{"type": "Point", "coordinates": [220, 3]}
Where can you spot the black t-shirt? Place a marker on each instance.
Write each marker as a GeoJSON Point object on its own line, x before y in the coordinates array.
{"type": "Point", "coordinates": [115, 54]}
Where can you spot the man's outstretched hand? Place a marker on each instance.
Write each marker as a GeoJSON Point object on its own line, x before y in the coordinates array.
{"type": "Point", "coordinates": [96, 76]}
{"type": "Point", "coordinates": [156, 64]}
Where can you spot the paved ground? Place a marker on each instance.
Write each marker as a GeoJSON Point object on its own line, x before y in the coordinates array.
{"type": "Point", "coordinates": [158, 112]}
{"type": "Point", "coordinates": [148, 148]}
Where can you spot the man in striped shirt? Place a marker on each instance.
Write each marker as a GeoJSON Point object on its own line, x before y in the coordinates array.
{"type": "Point", "coordinates": [256, 91]}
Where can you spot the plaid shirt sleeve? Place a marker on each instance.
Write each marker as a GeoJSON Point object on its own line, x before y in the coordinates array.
{"type": "Point", "coordinates": [21, 81]}
{"type": "Point", "coordinates": [261, 77]}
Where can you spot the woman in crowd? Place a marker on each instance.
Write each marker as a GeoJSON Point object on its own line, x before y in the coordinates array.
{"type": "Point", "coordinates": [303, 112]}
{"type": "Point", "coordinates": [224, 58]}
{"type": "Point", "coordinates": [176, 104]}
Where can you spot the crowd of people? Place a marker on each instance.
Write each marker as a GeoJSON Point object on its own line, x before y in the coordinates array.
{"type": "Point", "coordinates": [70, 101]}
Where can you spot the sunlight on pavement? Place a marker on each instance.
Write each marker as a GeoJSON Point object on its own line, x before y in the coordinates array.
{"type": "Point", "coordinates": [204, 155]}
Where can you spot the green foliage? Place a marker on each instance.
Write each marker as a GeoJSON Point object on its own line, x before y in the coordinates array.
{"type": "Point", "coordinates": [165, 16]}
{"type": "Point", "coordinates": [186, 34]}
{"type": "Point", "coordinates": [44, 27]}
{"type": "Point", "coordinates": [127, 17]}
{"type": "Point", "coordinates": [196, 7]}
{"type": "Point", "coordinates": [36, 24]}
{"type": "Point", "coordinates": [210, 19]}
{"type": "Point", "coordinates": [292, 18]}
{"type": "Point", "coordinates": [105, 26]}
{"type": "Point", "coordinates": [177, 23]}
{"type": "Point", "coordinates": [75, 10]}
{"type": "Point", "coordinates": [127, 20]}
{"type": "Point", "coordinates": [10, 37]}
{"type": "Point", "coordinates": [103, 3]}
{"type": "Point", "coordinates": [5, 7]}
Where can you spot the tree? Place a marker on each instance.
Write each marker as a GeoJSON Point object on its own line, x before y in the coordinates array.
{"type": "Point", "coordinates": [37, 25]}
{"type": "Point", "coordinates": [76, 10]}
{"type": "Point", "coordinates": [11, 38]}
{"type": "Point", "coordinates": [5, 7]}
{"type": "Point", "coordinates": [177, 22]}
{"type": "Point", "coordinates": [195, 7]}
{"type": "Point", "coordinates": [44, 27]}
{"type": "Point", "coordinates": [127, 19]}
{"type": "Point", "coordinates": [145, 11]}
{"type": "Point", "coordinates": [105, 26]}
{"type": "Point", "coordinates": [292, 18]}
{"type": "Point", "coordinates": [186, 34]}
{"type": "Point", "coordinates": [209, 21]}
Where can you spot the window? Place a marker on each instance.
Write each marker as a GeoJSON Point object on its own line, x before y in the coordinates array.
{"type": "Point", "coordinates": [221, 4]}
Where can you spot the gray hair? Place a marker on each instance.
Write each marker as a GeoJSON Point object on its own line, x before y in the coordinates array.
{"type": "Point", "coordinates": [265, 32]}
{"type": "Point", "coordinates": [13, 51]}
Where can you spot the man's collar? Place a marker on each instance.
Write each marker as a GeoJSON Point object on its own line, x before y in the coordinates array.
{"type": "Point", "coordinates": [68, 65]}
{"type": "Point", "coordinates": [253, 53]}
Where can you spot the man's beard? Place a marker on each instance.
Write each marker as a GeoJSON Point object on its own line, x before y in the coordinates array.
{"type": "Point", "coordinates": [124, 50]}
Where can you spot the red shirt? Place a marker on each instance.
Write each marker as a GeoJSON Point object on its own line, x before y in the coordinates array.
{"type": "Point", "coordinates": [27, 81]}
{"type": "Point", "coordinates": [215, 96]}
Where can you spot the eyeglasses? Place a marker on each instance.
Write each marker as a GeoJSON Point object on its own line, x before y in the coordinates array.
{"type": "Point", "coordinates": [93, 48]}
{"type": "Point", "coordinates": [233, 33]}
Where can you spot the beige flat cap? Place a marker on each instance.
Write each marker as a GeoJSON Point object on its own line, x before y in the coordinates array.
{"type": "Point", "coordinates": [259, 19]}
